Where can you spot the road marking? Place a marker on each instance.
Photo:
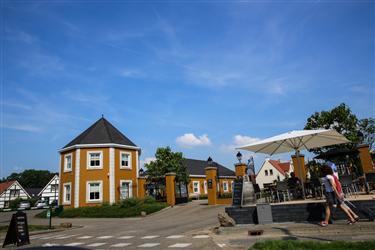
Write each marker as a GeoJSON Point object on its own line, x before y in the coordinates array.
{"type": "Point", "coordinates": [150, 237]}
{"type": "Point", "coordinates": [105, 237]}
{"type": "Point", "coordinates": [121, 245]}
{"type": "Point", "coordinates": [203, 236]}
{"type": "Point", "coordinates": [65, 237]}
{"type": "Point", "coordinates": [149, 245]}
{"type": "Point", "coordinates": [50, 245]}
{"type": "Point", "coordinates": [125, 237]}
{"type": "Point", "coordinates": [221, 245]}
{"type": "Point", "coordinates": [85, 237]}
{"type": "Point", "coordinates": [74, 244]}
{"type": "Point", "coordinates": [180, 245]}
{"type": "Point", "coordinates": [53, 236]}
{"type": "Point", "coordinates": [98, 244]}
{"type": "Point", "coordinates": [175, 236]}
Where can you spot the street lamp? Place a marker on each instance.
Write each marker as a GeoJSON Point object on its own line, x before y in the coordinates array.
{"type": "Point", "coordinates": [209, 161]}
{"type": "Point", "coordinates": [141, 172]}
{"type": "Point", "coordinates": [239, 156]}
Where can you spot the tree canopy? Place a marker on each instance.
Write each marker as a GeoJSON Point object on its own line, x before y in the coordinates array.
{"type": "Point", "coordinates": [346, 123]}
{"type": "Point", "coordinates": [31, 178]}
{"type": "Point", "coordinates": [166, 161]}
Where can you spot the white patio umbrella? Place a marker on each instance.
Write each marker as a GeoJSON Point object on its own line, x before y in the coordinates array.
{"type": "Point", "coordinates": [297, 140]}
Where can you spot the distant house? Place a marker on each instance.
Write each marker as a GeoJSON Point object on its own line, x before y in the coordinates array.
{"type": "Point", "coordinates": [50, 192]}
{"type": "Point", "coordinates": [197, 176]}
{"type": "Point", "coordinates": [9, 191]}
{"type": "Point", "coordinates": [273, 170]}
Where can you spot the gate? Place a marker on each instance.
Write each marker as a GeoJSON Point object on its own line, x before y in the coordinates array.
{"type": "Point", "coordinates": [181, 192]}
{"type": "Point", "coordinates": [156, 190]}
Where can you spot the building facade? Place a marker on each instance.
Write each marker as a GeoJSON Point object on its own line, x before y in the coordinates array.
{"type": "Point", "coordinates": [9, 191]}
{"type": "Point", "coordinates": [273, 170]}
{"type": "Point", "coordinates": [198, 184]}
{"type": "Point", "coordinates": [50, 192]}
{"type": "Point", "coordinates": [99, 166]}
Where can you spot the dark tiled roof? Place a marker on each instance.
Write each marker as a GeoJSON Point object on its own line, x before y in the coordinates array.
{"type": "Point", "coordinates": [102, 131]}
{"type": "Point", "coordinates": [196, 167]}
{"type": "Point", "coordinates": [5, 185]}
{"type": "Point", "coordinates": [33, 192]}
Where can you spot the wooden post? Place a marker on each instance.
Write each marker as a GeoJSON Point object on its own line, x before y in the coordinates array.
{"type": "Point", "coordinates": [366, 161]}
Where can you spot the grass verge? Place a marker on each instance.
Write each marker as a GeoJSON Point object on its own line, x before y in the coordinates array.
{"type": "Point", "coordinates": [131, 207]}
{"type": "Point", "coordinates": [312, 245]}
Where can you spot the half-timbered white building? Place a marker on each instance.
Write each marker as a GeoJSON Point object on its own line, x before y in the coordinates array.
{"type": "Point", "coordinates": [50, 192]}
{"type": "Point", "coordinates": [9, 191]}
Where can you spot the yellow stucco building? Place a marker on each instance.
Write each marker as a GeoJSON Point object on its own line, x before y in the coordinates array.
{"type": "Point", "coordinates": [99, 166]}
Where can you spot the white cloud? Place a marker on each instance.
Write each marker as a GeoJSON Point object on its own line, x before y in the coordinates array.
{"type": "Point", "coordinates": [131, 73]}
{"type": "Point", "coordinates": [189, 140]}
{"type": "Point", "coordinates": [238, 140]}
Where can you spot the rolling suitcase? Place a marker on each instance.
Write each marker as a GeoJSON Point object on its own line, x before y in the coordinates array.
{"type": "Point", "coordinates": [367, 212]}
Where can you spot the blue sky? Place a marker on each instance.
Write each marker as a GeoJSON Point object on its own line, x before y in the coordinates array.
{"type": "Point", "coordinates": [201, 77]}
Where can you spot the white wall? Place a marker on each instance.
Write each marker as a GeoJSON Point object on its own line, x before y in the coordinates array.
{"type": "Point", "coordinates": [262, 178]}
{"type": "Point", "coordinates": [48, 193]}
{"type": "Point", "coordinates": [4, 197]}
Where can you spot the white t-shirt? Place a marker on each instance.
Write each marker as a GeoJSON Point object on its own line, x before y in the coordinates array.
{"type": "Point", "coordinates": [327, 183]}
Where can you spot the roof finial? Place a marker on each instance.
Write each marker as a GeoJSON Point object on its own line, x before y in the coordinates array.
{"type": "Point", "coordinates": [102, 116]}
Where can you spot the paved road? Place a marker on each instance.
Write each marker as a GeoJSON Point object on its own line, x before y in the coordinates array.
{"type": "Point", "coordinates": [183, 226]}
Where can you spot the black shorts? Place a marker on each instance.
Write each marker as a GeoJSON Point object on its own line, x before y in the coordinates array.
{"type": "Point", "coordinates": [332, 199]}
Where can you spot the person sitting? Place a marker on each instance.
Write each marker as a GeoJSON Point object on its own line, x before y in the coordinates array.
{"type": "Point", "coordinates": [294, 185]}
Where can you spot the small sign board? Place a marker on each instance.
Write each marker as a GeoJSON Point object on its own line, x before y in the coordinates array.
{"type": "Point", "coordinates": [209, 183]}
{"type": "Point", "coordinates": [18, 231]}
{"type": "Point", "coordinates": [48, 213]}
{"type": "Point", "coordinates": [237, 193]}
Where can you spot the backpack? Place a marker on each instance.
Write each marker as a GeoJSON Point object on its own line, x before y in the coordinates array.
{"type": "Point", "coordinates": [338, 184]}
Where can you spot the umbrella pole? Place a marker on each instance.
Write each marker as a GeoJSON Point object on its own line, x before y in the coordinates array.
{"type": "Point", "coordinates": [300, 174]}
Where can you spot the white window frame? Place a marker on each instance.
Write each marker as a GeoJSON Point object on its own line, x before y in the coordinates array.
{"type": "Point", "coordinates": [66, 169]}
{"type": "Point", "coordinates": [65, 202]}
{"type": "Point", "coordinates": [130, 160]}
{"type": "Point", "coordinates": [100, 159]}
{"type": "Point", "coordinates": [205, 187]}
{"type": "Point", "coordinates": [130, 187]}
{"type": "Point", "coordinates": [88, 200]}
{"type": "Point", "coordinates": [196, 182]}
{"type": "Point", "coordinates": [225, 187]}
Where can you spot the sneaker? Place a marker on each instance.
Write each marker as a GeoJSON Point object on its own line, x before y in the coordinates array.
{"type": "Point", "coordinates": [323, 224]}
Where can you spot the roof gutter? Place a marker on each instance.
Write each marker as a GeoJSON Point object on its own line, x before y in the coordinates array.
{"type": "Point", "coordinates": [100, 145]}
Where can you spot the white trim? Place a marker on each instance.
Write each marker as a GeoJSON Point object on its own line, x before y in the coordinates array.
{"type": "Point", "coordinates": [71, 163]}
{"type": "Point", "coordinates": [198, 192]}
{"type": "Point", "coordinates": [100, 159]}
{"type": "Point", "coordinates": [99, 145]}
{"type": "Point", "coordinates": [197, 175]}
{"type": "Point", "coordinates": [130, 187]}
{"type": "Point", "coordinates": [205, 187]}
{"type": "Point", "coordinates": [129, 153]}
{"type": "Point", "coordinates": [112, 175]}
{"type": "Point", "coordinates": [60, 199]}
{"type": "Point", "coordinates": [64, 202]}
{"type": "Point", "coordinates": [137, 163]}
{"type": "Point", "coordinates": [88, 191]}
{"type": "Point", "coordinates": [203, 176]}
{"type": "Point", "coordinates": [226, 190]}
{"type": "Point", "coordinates": [77, 178]}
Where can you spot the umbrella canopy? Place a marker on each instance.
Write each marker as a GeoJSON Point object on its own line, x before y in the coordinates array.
{"type": "Point", "coordinates": [296, 140]}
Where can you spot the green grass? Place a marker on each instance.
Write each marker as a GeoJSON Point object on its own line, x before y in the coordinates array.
{"type": "Point", "coordinates": [31, 228]}
{"type": "Point", "coordinates": [131, 207]}
{"type": "Point", "coordinates": [312, 245]}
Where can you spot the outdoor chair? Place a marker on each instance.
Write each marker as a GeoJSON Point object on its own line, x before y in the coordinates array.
{"type": "Point", "coordinates": [282, 190]}
{"type": "Point", "coordinates": [317, 188]}
{"type": "Point", "coordinates": [370, 179]}
{"type": "Point", "coordinates": [347, 185]}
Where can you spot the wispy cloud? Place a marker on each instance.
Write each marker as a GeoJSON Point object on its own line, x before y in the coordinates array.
{"type": "Point", "coordinates": [22, 127]}
{"type": "Point", "coordinates": [132, 73]}
{"type": "Point", "coordinates": [189, 140]}
{"type": "Point", "coordinates": [238, 140]}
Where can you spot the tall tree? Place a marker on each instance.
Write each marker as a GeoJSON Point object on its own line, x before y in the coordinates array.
{"type": "Point", "coordinates": [343, 121]}
{"type": "Point", "coordinates": [166, 161]}
{"type": "Point", "coordinates": [367, 128]}
{"type": "Point", "coordinates": [31, 178]}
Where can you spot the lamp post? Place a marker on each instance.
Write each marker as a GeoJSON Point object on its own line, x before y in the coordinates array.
{"type": "Point", "coordinates": [141, 172]}
{"type": "Point", "coordinates": [239, 157]}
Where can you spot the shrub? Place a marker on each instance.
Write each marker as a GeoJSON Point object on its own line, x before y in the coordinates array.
{"type": "Point", "coordinates": [130, 202]}
{"type": "Point", "coordinates": [149, 200]}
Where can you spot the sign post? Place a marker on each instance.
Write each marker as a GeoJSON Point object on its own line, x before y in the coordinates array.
{"type": "Point", "coordinates": [18, 231]}
{"type": "Point", "coordinates": [49, 212]}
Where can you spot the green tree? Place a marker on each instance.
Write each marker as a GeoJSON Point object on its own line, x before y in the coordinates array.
{"type": "Point", "coordinates": [343, 121]}
{"type": "Point", "coordinates": [166, 161]}
{"type": "Point", "coordinates": [31, 178]}
{"type": "Point", "coordinates": [367, 128]}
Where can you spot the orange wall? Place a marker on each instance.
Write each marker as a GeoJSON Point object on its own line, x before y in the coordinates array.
{"type": "Point", "coordinates": [201, 184]}
{"type": "Point", "coordinates": [98, 175]}
{"type": "Point", "coordinates": [66, 177]}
